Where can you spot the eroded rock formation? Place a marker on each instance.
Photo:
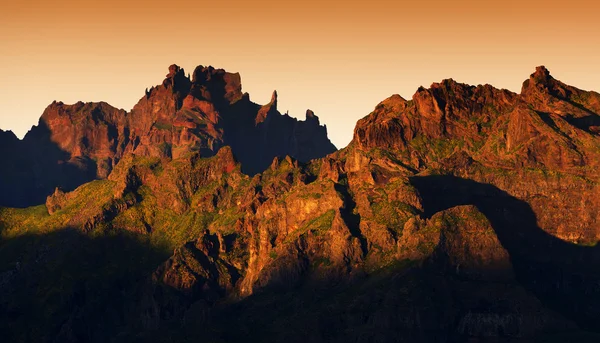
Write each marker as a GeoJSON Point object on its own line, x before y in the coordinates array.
{"type": "Point", "coordinates": [74, 144]}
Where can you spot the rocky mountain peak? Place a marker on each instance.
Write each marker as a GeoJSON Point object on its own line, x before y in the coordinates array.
{"type": "Point", "coordinates": [274, 98]}
{"type": "Point", "coordinates": [267, 109]}
{"type": "Point", "coordinates": [173, 70]}
{"type": "Point", "coordinates": [216, 85]}
{"type": "Point", "coordinates": [176, 77]}
{"type": "Point", "coordinates": [539, 82]}
{"type": "Point", "coordinates": [311, 116]}
{"type": "Point", "coordinates": [7, 136]}
{"type": "Point", "coordinates": [541, 74]}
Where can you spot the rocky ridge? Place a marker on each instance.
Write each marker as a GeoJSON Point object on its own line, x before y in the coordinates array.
{"type": "Point", "coordinates": [74, 144]}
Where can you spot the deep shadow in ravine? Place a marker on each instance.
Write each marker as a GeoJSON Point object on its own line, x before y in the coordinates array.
{"type": "Point", "coordinates": [67, 286]}
{"type": "Point", "coordinates": [33, 167]}
{"type": "Point", "coordinates": [564, 276]}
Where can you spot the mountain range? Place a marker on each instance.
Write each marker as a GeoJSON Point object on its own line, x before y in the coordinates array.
{"type": "Point", "coordinates": [466, 214]}
{"type": "Point", "coordinates": [74, 144]}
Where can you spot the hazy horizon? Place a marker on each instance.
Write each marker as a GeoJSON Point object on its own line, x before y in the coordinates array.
{"type": "Point", "coordinates": [337, 58]}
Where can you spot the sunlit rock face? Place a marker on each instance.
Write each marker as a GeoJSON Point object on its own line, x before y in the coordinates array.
{"type": "Point", "coordinates": [74, 144]}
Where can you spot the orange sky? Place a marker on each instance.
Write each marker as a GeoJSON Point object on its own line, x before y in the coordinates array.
{"type": "Point", "coordinates": [339, 58]}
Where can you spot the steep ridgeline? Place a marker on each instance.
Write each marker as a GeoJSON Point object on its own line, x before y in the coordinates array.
{"type": "Point", "coordinates": [467, 214]}
{"type": "Point", "coordinates": [74, 144]}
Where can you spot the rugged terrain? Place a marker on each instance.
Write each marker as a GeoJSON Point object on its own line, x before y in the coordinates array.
{"type": "Point", "coordinates": [74, 144]}
{"type": "Point", "coordinates": [466, 214]}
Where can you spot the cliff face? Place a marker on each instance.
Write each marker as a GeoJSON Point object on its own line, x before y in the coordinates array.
{"type": "Point", "coordinates": [549, 125]}
{"type": "Point", "coordinates": [540, 146]}
{"type": "Point", "coordinates": [465, 214]}
{"type": "Point", "coordinates": [74, 144]}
